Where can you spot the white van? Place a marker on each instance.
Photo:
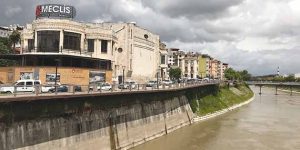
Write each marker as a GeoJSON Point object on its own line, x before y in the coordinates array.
{"type": "Point", "coordinates": [21, 86]}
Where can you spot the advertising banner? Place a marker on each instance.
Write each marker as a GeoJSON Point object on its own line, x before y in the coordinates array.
{"type": "Point", "coordinates": [26, 75]}
{"type": "Point", "coordinates": [97, 76]}
{"type": "Point", "coordinates": [55, 11]}
{"type": "Point", "coordinates": [50, 78]}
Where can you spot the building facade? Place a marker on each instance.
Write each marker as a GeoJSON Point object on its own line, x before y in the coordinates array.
{"type": "Point", "coordinates": [111, 52]}
{"type": "Point", "coordinates": [164, 67]}
{"type": "Point", "coordinates": [5, 32]}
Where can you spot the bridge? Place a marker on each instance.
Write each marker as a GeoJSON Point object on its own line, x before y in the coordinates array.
{"type": "Point", "coordinates": [286, 85]}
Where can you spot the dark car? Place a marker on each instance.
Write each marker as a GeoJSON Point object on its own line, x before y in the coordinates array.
{"type": "Point", "coordinates": [77, 88]}
{"type": "Point", "coordinates": [62, 88]}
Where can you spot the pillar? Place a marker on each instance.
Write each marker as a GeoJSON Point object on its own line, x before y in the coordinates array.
{"type": "Point", "coordinates": [260, 90]}
{"type": "Point", "coordinates": [61, 40]}
{"type": "Point", "coordinates": [35, 41]}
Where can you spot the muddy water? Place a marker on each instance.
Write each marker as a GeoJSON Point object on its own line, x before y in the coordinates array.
{"type": "Point", "coordinates": [270, 122]}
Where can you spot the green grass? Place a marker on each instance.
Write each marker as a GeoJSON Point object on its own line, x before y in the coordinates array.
{"type": "Point", "coordinates": [224, 99]}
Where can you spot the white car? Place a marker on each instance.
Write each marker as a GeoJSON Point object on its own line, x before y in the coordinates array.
{"type": "Point", "coordinates": [167, 82]}
{"type": "Point", "coordinates": [47, 88]}
{"type": "Point", "coordinates": [21, 86]}
{"type": "Point", "coordinates": [102, 86]}
{"type": "Point", "coordinates": [130, 83]}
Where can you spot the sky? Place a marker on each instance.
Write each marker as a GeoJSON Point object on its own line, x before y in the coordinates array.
{"type": "Point", "coordinates": [255, 35]}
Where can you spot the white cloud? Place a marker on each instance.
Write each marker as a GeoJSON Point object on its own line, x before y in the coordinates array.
{"type": "Point", "coordinates": [12, 10]}
{"type": "Point", "coordinates": [248, 34]}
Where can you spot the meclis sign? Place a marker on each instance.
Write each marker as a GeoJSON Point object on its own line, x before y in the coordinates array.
{"type": "Point", "coordinates": [55, 10]}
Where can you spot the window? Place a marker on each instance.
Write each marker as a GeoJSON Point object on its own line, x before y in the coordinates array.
{"type": "Point", "coordinates": [91, 45]}
{"type": "Point", "coordinates": [36, 83]}
{"type": "Point", "coordinates": [48, 41]}
{"type": "Point", "coordinates": [29, 83]}
{"type": "Point", "coordinates": [72, 40]}
{"type": "Point", "coordinates": [163, 59]}
{"type": "Point", "coordinates": [30, 44]}
{"type": "Point", "coordinates": [104, 46]}
{"type": "Point", "coordinates": [20, 84]}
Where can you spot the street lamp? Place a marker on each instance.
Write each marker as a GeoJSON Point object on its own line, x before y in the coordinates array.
{"type": "Point", "coordinates": [123, 67]}
{"type": "Point", "coordinates": [56, 66]}
{"type": "Point", "coordinates": [158, 70]}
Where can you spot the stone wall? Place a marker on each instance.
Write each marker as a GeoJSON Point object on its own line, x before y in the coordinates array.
{"type": "Point", "coordinates": [95, 122]}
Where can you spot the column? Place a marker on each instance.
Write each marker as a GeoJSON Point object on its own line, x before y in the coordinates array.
{"type": "Point", "coordinates": [61, 39]}
{"type": "Point", "coordinates": [35, 41]}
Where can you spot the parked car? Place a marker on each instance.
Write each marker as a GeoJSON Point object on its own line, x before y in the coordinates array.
{"type": "Point", "coordinates": [151, 83]}
{"type": "Point", "coordinates": [206, 79]}
{"type": "Point", "coordinates": [77, 88]}
{"type": "Point", "coordinates": [167, 82]}
{"type": "Point", "coordinates": [190, 81]}
{"type": "Point", "coordinates": [47, 88]}
{"type": "Point", "coordinates": [127, 85]}
{"type": "Point", "coordinates": [102, 86]}
{"type": "Point", "coordinates": [21, 86]}
{"type": "Point", "coordinates": [62, 88]}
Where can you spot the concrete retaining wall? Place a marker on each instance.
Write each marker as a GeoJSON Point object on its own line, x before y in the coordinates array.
{"type": "Point", "coordinates": [104, 122]}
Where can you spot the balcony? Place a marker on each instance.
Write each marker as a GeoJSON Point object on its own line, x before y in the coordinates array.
{"type": "Point", "coordinates": [80, 52]}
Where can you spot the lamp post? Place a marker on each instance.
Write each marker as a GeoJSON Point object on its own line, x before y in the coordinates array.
{"type": "Point", "coordinates": [158, 70]}
{"type": "Point", "coordinates": [56, 66]}
{"type": "Point", "coordinates": [123, 67]}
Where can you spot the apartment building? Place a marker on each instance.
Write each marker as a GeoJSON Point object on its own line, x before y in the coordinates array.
{"type": "Point", "coordinates": [5, 32]}
{"type": "Point", "coordinates": [163, 68]}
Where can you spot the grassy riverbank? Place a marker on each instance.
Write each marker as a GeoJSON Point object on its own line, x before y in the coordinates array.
{"type": "Point", "coordinates": [224, 98]}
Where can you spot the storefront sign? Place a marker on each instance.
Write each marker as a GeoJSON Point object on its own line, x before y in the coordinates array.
{"type": "Point", "coordinates": [55, 11]}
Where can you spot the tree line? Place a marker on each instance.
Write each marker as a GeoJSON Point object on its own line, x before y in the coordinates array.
{"type": "Point", "coordinates": [8, 46]}
{"type": "Point", "coordinates": [231, 74]}
{"type": "Point", "coordinates": [276, 78]}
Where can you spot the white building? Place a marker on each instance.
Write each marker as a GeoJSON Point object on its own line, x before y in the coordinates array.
{"type": "Point", "coordinates": [5, 32]}
{"type": "Point", "coordinates": [123, 48]}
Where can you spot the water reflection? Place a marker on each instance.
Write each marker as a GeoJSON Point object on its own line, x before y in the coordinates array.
{"type": "Point", "coordinates": [269, 122]}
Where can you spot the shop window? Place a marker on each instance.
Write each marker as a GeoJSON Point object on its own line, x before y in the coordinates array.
{"type": "Point", "coordinates": [48, 41]}
{"type": "Point", "coordinates": [91, 44]}
{"type": "Point", "coordinates": [72, 40]}
{"type": "Point", "coordinates": [104, 46]}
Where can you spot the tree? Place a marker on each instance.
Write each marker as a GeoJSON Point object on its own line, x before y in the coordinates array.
{"type": "Point", "coordinates": [245, 75]}
{"type": "Point", "coordinates": [14, 38]}
{"type": "Point", "coordinates": [175, 74]}
{"type": "Point", "coordinates": [230, 74]}
{"type": "Point", "coordinates": [290, 78]}
{"type": "Point", "coordinates": [4, 49]}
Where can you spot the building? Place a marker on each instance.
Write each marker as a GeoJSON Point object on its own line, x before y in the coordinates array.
{"type": "Point", "coordinates": [204, 66]}
{"type": "Point", "coordinates": [5, 32]}
{"type": "Point", "coordinates": [83, 52]}
{"type": "Point", "coordinates": [186, 61]}
{"type": "Point", "coordinates": [189, 65]}
{"type": "Point", "coordinates": [224, 67]}
{"type": "Point", "coordinates": [173, 57]}
{"type": "Point", "coordinates": [163, 68]}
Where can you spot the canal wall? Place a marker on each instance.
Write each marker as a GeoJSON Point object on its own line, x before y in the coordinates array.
{"type": "Point", "coordinates": [118, 121]}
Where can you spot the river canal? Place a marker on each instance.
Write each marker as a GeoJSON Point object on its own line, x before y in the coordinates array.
{"type": "Point", "coordinates": [270, 122]}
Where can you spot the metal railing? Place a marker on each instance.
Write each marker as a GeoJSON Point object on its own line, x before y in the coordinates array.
{"type": "Point", "coordinates": [60, 50]}
{"type": "Point", "coordinates": [50, 90]}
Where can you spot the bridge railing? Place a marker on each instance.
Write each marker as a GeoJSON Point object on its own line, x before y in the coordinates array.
{"type": "Point", "coordinates": [72, 89]}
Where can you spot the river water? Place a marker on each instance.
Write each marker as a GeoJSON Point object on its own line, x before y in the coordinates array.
{"type": "Point", "coordinates": [270, 122]}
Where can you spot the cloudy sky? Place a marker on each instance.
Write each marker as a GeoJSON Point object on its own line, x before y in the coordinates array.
{"type": "Point", "coordinates": [257, 35]}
